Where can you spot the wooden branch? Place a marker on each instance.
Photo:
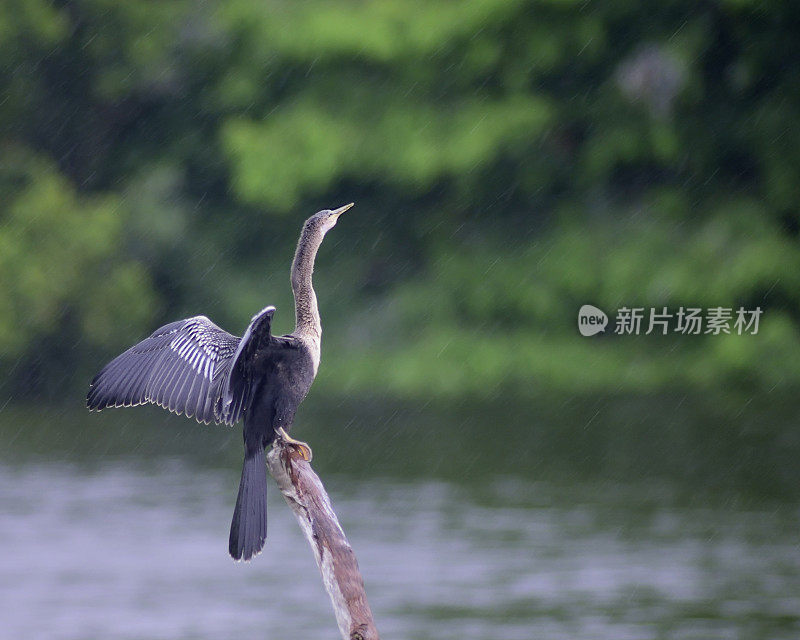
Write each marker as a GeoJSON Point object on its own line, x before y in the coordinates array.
{"type": "Point", "coordinates": [306, 496]}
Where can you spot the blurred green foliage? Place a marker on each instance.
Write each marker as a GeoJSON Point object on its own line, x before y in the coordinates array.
{"type": "Point", "coordinates": [510, 160]}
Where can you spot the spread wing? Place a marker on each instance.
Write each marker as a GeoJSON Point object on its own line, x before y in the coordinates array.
{"type": "Point", "coordinates": [183, 367]}
{"type": "Point", "coordinates": [236, 392]}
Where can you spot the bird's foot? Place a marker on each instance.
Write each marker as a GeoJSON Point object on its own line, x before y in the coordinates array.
{"type": "Point", "coordinates": [301, 447]}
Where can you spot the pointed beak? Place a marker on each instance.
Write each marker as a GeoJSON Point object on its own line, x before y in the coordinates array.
{"type": "Point", "coordinates": [341, 210]}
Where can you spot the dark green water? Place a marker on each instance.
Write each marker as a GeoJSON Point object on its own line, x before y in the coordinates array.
{"type": "Point", "coordinates": [599, 518]}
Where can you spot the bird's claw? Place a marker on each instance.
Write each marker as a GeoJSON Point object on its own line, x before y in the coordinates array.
{"type": "Point", "coordinates": [296, 445]}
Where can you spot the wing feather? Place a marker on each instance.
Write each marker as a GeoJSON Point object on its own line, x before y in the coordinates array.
{"type": "Point", "coordinates": [183, 366]}
{"type": "Point", "coordinates": [194, 384]}
{"type": "Point", "coordinates": [237, 387]}
{"type": "Point", "coordinates": [175, 395]}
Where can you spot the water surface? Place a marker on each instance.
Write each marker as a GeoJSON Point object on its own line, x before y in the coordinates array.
{"type": "Point", "coordinates": [134, 549]}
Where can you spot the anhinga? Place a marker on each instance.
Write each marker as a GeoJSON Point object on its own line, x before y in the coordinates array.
{"type": "Point", "coordinates": [195, 368]}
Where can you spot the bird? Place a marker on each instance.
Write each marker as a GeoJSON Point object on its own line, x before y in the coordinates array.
{"type": "Point", "coordinates": [195, 368]}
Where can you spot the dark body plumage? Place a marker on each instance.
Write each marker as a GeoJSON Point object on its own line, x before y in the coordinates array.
{"type": "Point", "coordinates": [194, 367]}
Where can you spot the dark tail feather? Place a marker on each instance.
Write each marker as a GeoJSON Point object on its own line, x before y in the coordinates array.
{"type": "Point", "coordinates": [249, 525]}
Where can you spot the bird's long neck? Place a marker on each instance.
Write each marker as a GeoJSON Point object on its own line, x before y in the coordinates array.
{"type": "Point", "coordinates": [306, 311]}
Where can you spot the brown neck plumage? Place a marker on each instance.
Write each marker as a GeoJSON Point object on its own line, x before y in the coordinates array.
{"type": "Point", "coordinates": [307, 321]}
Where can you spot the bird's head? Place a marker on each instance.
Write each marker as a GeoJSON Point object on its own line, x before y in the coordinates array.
{"type": "Point", "coordinates": [323, 221]}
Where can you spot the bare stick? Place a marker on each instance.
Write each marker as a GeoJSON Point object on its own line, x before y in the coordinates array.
{"type": "Point", "coordinates": [337, 563]}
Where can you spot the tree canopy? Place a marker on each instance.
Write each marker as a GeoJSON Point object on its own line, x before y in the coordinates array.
{"type": "Point", "coordinates": [511, 160]}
